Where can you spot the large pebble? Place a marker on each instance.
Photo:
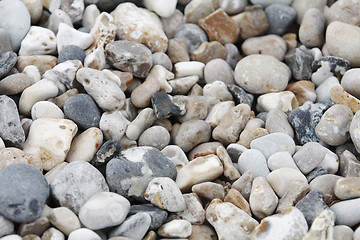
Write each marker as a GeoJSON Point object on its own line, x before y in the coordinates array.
{"type": "Point", "coordinates": [255, 161]}
{"type": "Point", "coordinates": [276, 121]}
{"type": "Point", "coordinates": [301, 6]}
{"type": "Point", "coordinates": [209, 190]}
{"type": "Point", "coordinates": [74, 190]}
{"type": "Point", "coordinates": [347, 188]}
{"type": "Point", "coordinates": [325, 184]}
{"type": "Point", "coordinates": [218, 70]}
{"type": "Point", "coordinates": [50, 139]}
{"type": "Point", "coordinates": [311, 32]}
{"type": "Point", "coordinates": [46, 109]}
{"type": "Point", "coordinates": [130, 173]}
{"type": "Point", "coordinates": [260, 74]}
{"type": "Point", "coordinates": [309, 156]}
{"type": "Point", "coordinates": [344, 11]}
{"type": "Point", "coordinates": [347, 212]}
{"type": "Point", "coordinates": [7, 226]}
{"type": "Point", "coordinates": [176, 228]}
{"type": "Point", "coordinates": [280, 160]}
{"type": "Point", "coordinates": [23, 192]}
{"type": "Point", "coordinates": [38, 41]}
{"type": "Point", "coordinates": [285, 101]}
{"type": "Point", "coordinates": [194, 211]}
{"type": "Point", "coordinates": [229, 221]}
{"type": "Point", "coordinates": [350, 82]}
{"type": "Point", "coordinates": [192, 13]}
{"type": "Point", "coordinates": [343, 232]}
{"type": "Point", "coordinates": [191, 133]}
{"type": "Point", "coordinates": [156, 136]}
{"type": "Point", "coordinates": [139, 25]}
{"type": "Point", "coordinates": [263, 199]}
{"type": "Point", "coordinates": [11, 131]}
{"type": "Point", "coordinates": [104, 209]}
{"type": "Point", "coordinates": [42, 62]}
{"type": "Point", "coordinates": [280, 17]}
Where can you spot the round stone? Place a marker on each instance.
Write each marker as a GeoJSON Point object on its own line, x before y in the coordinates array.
{"type": "Point", "coordinates": [280, 17]}
{"type": "Point", "coordinates": [23, 192]}
{"type": "Point", "coordinates": [218, 70]}
{"type": "Point", "coordinates": [155, 136]}
{"type": "Point", "coordinates": [260, 74]}
{"type": "Point", "coordinates": [46, 109]}
{"type": "Point", "coordinates": [82, 234]}
{"type": "Point", "coordinates": [158, 216]}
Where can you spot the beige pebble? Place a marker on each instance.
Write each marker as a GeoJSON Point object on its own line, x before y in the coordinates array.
{"type": "Point", "coordinates": [340, 96]}
{"type": "Point", "coordinates": [311, 32]}
{"type": "Point", "coordinates": [195, 108]}
{"type": "Point", "coordinates": [285, 101]}
{"type": "Point", "coordinates": [325, 184]}
{"type": "Point", "coordinates": [64, 219]}
{"type": "Point", "coordinates": [177, 50]}
{"type": "Point", "coordinates": [276, 121]}
{"type": "Point", "coordinates": [301, 6]}
{"type": "Point", "coordinates": [204, 149]}
{"type": "Point", "coordinates": [194, 211]}
{"type": "Point", "coordinates": [208, 51]}
{"type": "Point", "coordinates": [230, 172]}
{"type": "Point", "coordinates": [202, 232]}
{"type": "Point", "coordinates": [349, 165]}
{"type": "Point", "coordinates": [37, 227]}
{"type": "Point", "coordinates": [192, 13]}
{"type": "Point", "coordinates": [263, 200]}
{"type": "Point", "coordinates": [209, 190]}
{"type": "Point", "coordinates": [347, 188]}
{"type": "Point", "coordinates": [296, 192]}
{"type": "Point", "coordinates": [248, 135]}
{"type": "Point", "coordinates": [234, 196]}
{"type": "Point", "coordinates": [14, 155]}
{"type": "Point", "coordinates": [304, 90]}
{"type": "Point", "coordinates": [42, 62]}
{"type": "Point", "coordinates": [15, 83]}
{"type": "Point", "coordinates": [344, 11]}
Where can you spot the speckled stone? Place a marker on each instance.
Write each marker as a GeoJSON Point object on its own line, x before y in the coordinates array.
{"type": "Point", "coordinates": [208, 51]}
{"type": "Point", "coordinates": [337, 65]}
{"type": "Point", "coordinates": [166, 106]}
{"type": "Point", "coordinates": [7, 61]}
{"type": "Point", "coordinates": [194, 211]}
{"type": "Point", "coordinates": [300, 62]}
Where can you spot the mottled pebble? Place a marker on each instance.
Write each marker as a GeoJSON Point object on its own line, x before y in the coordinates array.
{"type": "Point", "coordinates": [209, 190]}
{"type": "Point", "coordinates": [194, 211]}
{"type": "Point", "coordinates": [300, 63]}
{"type": "Point", "coordinates": [166, 106]}
{"type": "Point", "coordinates": [304, 91]}
{"type": "Point", "coordinates": [208, 51]}
{"type": "Point", "coordinates": [325, 184]}
{"type": "Point", "coordinates": [7, 61]}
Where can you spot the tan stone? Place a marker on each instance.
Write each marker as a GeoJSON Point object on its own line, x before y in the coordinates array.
{"type": "Point", "coordinates": [304, 90]}
{"type": "Point", "coordinates": [209, 190]}
{"type": "Point", "coordinates": [263, 199]}
{"type": "Point", "coordinates": [244, 184]}
{"type": "Point", "coordinates": [37, 227]}
{"type": "Point", "coordinates": [208, 51]}
{"type": "Point", "coordinates": [248, 135]}
{"type": "Point", "coordinates": [197, 9]}
{"type": "Point", "coordinates": [235, 197]}
{"type": "Point", "coordinates": [60, 100]}
{"type": "Point", "coordinates": [347, 188]}
{"type": "Point", "coordinates": [150, 236]}
{"type": "Point", "coordinates": [15, 83]}
{"type": "Point", "coordinates": [125, 78]}
{"type": "Point", "coordinates": [42, 62]}
{"type": "Point", "coordinates": [14, 155]}
{"type": "Point", "coordinates": [178, 51]}
{"type": "Point", "coordinates": [194, 211]}
{"type": "Point", "coordinates": [230, 172]}
{"type": "Point", "coordinates": [220, 27]}
{"type": "Point", "coordinates": [296, 192]}
{"type": "Point", "coordinates": [290, 39]}
{"type": "Point", "coordinates": [202, 232]}
{"type": "Point", "coordinates": [340, 96]}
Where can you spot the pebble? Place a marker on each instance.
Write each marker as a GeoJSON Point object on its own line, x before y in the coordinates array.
{"type": "Point", "coordinates": [23, 192]}
{"type": "Point", "coordinates": [45, 109]}
{"type": "Point", "coordinates": [146, 30]}
{"type": "Point", "coordinates": [201, 169]}
{"type": "Point", "coordinates": [16, 23]}
{"type": "Point", "coordinates": [70, 36]}
{"type": "Point", "coordinates": [11, 131]}
{"type": "Point", "coordinates": [178, 51]}
{"type": "Point", "coordinates": [254, 161]}
{"type": "Point", "coordinates": [261, 82]}
{"type": "Point", "coordinates": [192, 34]}
{"type": "Point", "coordinates": [176, 155]}
{"type": "Point", "coordinates": [122, 52]}
{"type": "Point", "coordinates": [343, 11]}
{"type": "Point", "coordinates": [184, 69]}
{"type": "Point", "coordinates": [240, 95]}
{"type": "Point", "coordinates": [5, 45]}
{"type": "Point", "coordinates": [323, 225]}
{"type": "Point", "coordinates": [263, 200]}
{"type": "Point", "coordinates": [42, 62]}
{"type": "Point", "coordinates": [87, 182]}
{"type": "Point", "coordinates": [161, 7]}
{"type": "Point", "coordinates": [130, 173]}
{"type": "Point", "coordinates": [338, 66]}
{"type": "Point", "coordinates": [232, 123]}
{"type": "Point", "coordinates": [300, 63]}
{"type": "Point", "coordinates": [217, 112]}
{"type": "Point", "coordinates": [312, 28]}
{"type": "Point", "coordinates": [176, 229]}
{"type": "Point", "coordinates": [349, 165]}
{"type": "Point", "coordinates": [192, 133]}
{"type": "Point", "coordinates": [143, 120]}
{"type": "Point", "coordinates": [318, 171]}
{"type": "Point", "coordinates": [325, 184]}
{"type": "Point", "coordinates": [346, 212]}
{"type": "Point", "coordinates": [296, 192]}
{"type": "Point", "coordinates": [232, 55]}
{"type": "Point", "coordinates": [74, 10]}
{"type": "Point", "coordinates": [36, 227]}
{"type": "Point", "coordinates": [343, 232]}
{"type": "Point", "coordinates": [340, 41]}
{"type": "Point", "coordinates": [218, 70]}
{"type": "Point", "coordinates": [194, 211]}
{"type": "Point", "coordinates": [160, 58]}
{"type": "Point", "coordinates": [202, 231]}
{"type": "Point", "coordinates": [106, 152]}
{"type": "Point", "coordinates": [182, 85]}
{"type": "Point", "coordinates": [58, 16]}
{"type": "Point", "coordinates": [134, 227]}
{"type": "Point", "coordinates": [38, 41]}
{"type": "Point", "coordinates": [113, 125]}
{"type": "Point", "coordinates": [348, 82]}
{"type": "Point", "coordinates": [276, 121]}
{"type": "Point", "coordinates": [216, 92]}
{"type": "Point", "coordinates": [7, 60]}
{"type": "Point", "coordinates": [347, 188]}
{"type": "Point", "coordinates": [53, 234]}
{"type": "Point", "coordinates": [203, 149]}
{"type": "Point", "coordinates": [235, 197]}
{"type": "Point", "coordinates": [280, 17]}
{"type": "Point", "coordinates": [166, 106]}
{"type": "Point", "coordinates": [91, 12]}
{"type": "Point", "coordinates": [280, 160]}
{"type": "Point", "coordinates": [171, 23]}
{"type": "Point", "coordinates": [155, 136]}
{"type": "Point", "coordinates": [192, 13]}
{"type": "Point", "coordinates": [230, 172]}
{"type": "Point", "coordinates": [229, 221]}
{"type": "Point", "coordinates": [302, 6]}
{"type": "Point", "coordinates": [71, 52]}
{"type": "Point", "coordinates": [323, 91]}
{"type": "Point", "coordinates": [158, 216]}
{"type": "Point", "coordinates": [12, 237]}
{"type": "Point", "coordinates": [64, 219]}
{"type": "Point", "coordinates": [339, 96]}
{"type": "Point", "coordinates": [232, 7]}
{"type": "Point", "coordinates": [209, 190]}
{"type": "Point", "coordinates": [82, 234]}
{"type": "Point", "coordinates": [50, 139]}
{"type": "Point", "coordinates": [7, 227]}
{"type": "Point", "coordinates": [285, 101]}
{"type": "Point", "coordinates": [208, 51]}
{"type": "Point", "coordinates": [304, 91]}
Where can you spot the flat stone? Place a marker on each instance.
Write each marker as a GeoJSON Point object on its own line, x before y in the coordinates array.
{"type": "Point", "coordinates": [300, 63]}
{"type": "Point", "coordinates": [209, 190]}
{"type": "Point", "coordinates": [78, 188]}
{"type": "Point", "coordinates": [280, 17]}
{"type": "Point", "coordinates": [7, 61]}
{"type": "Point", "coordinates": [192, 34]}
{"type": "Point", "coordinates": [325, 184]}
{"type": "Point", "coordinates": [194, 211]}
{"type": "Point", "coordinates": [263, 200]}
{"type": "Point", "coordinates": [23, 192]}
{"type": "Point", "coordinates": [42, 62]}
{"type": "Point", "coordinates": [285, 101]}
{"type": "Point", "coordinates": [192, 133]}
{"type": "Point", "coordinates": [254, 161]}
{"type": "Point", "coordinates": [346, 212]}
{"type": "Point", "coordinates": [64, 219]}
{"type": "Point", "coordinates": [46, 109]}
{"type": "Point", "coordinates": [176, 228]}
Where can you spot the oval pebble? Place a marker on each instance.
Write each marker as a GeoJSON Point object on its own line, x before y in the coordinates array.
{"type": "Point", "coordinates": [45, 109]}
{"type": "Point", "coordinates": [156, 136]}
{"type": "Point", "coordinates": [254, 161]}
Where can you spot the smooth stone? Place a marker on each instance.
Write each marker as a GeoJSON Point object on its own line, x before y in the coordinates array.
{"type": "Point", "coordinates": [339, 96]}
{"type": "Point", "coordinates": [289, 224]}
{"type": "Point", "coordinates": [70, 36]}
{"type": "Point", "coordinates": [347, 188]}
{"type": "Point", "coordinates": [160, 58]}
{"type": "Point", "coordinates": [349, 165]}
{"type": "Point", "coordinates": [301, 7]}
{"type": "Point", "coordinates": [71, 52]}
{"type": "Point", "coordinates": [176, 228]}
{"type": "Point", "coordinates": [280, 160]}
{"type": "Point", "coordinates": [217, 112]}
{"type": "Point", "coordinates": [199, 170]}
{"type": "Point", "coordinates": [158, 216]}
{"type": "Point", "coordinates": [285, 101]}
{"type": "Point", "coordinates": [341, 41]}
{"type": "Point", "coordinates": [113, 124]}
{"type": "Point", "coordinates": [183, 85]}
{"type": "Point", "coordinates": [8, 61]}
{"type": "Point", "coordinates": [346, 212]}
{"type": "Point", "coordinates": [171, 23]}
{"type": "Point", "coordinates": [323, 91]}
{"type": "Point", "coordinates": [64, 219]}
{"type": "Point", "coordinates": [82, 109]}
{"type": "Point", "coordinates": [208, 51]}
{"type": "Point", "coordinates": [271, 44]}
{"type": "Point", "coordinates": [87, 182]}
{"type": "Point", "coordinates": [7, 226]}
{"type": "Point", "coordinates": [229, 221]}
{"type": "Point", "coordinates": [192, 13]}
{"type": "Point", "coordinates": [106, 152]}
{"type": "Point", "coordinates": [248, 135]}
{"type": "Point", "coordinates": [230, 171]}
{"type": "Point", "coordinates": [296, 192]}
{"type": "Point", "coordinates": [176, 155]}
{"type": "Point", "coordinates": [38, 41]}
{"type": "Point", "coordinates": [263, 200]}
{"type": "Point", "coordinates": [11, 131]}
{"type": "Point", "coordinates": [12, 237]}
{"type": "Point", "coordinates": [325, 184]}
{"type": "Point", "coordinates": [37, 227]}
{"type": "Point", "coordinates": [45, 109]}
{"type": "Point", "coordinates": [280, 17]}
{"type": "Point", "coordinates": [130, 173]}
{"type": "Point", "coordinates": [216, 92]}
{"type": "Point", "coordinates": [244, 184]}
{"type": "Point", "coordinates": [304, 91]}
{"type": "Point", "coordinates": [146, 30]}
{"type": "Point", "coordinates": [50, 140]}
{"type": "Point", "coordinates": [202, 231]}
{"type": "Point", "coordinates": [232, 7]}
{"type": "Point", "coordinates": [343, 11]}
{"type": "Point", "coordinates": [232, 55]}
{"type": "Point", "coordinates": [218, 70]}
{"type": "Point", "coordinates": [195, 106]}
{"type": "Point", "coordinates": [318, 171]}
{"type": "Point", "coordinates": [32, 72]}
{"type": "Point", "coordinates": [343, 232]}
{"type": "Point", "coordinates": [194, 211]}
{"type": "Point", "coordinates": [240, 95]}
{"type": "Point", "coordinates": [155, 136]}
{"type": "Point", "coordinates": [209, 190]}
{"type": "Point", "coordinates": [143, 120]}
{"type": "Point", "coordinates": [234, 196]}
{"type": "Point", "coordinates": [134, 227]}
{"type": "Point", "coordinates": [349, 82]}
{"type": "Point", "coordinates": [311, 32]}
{"type": "Point", "coordinates": [74, 9]}
{"type": "Point", "coordinates": [276, 121]}
{"type": "Point", "coordinates": [232, 123]}
{"type": "Point", "coordinates": [5, 45]}
{"type": "Point", "coordinates": [192, 133]}
{"type": "Point", "coordinates": [354, 126]}
{"type": "Point", "coordinates": [161, 7]}
{"type": "Point", "coordinates": [266, 3]}
{"type": "Point", "coordinates": [189, 68]}
{"type": "Point", "coordinates": [129, 57]}
{"type": "Point", "coordinates": [16, 23]}
{"type": "Point", "coordinates": [82, 234]}
{"type": "Point", "coordinates": [178, 51]}
{"type": "Point", "coordinates": [260, 82]}
{"type": "Point", "coordinates": [254, 161]}
{"type": "Point", "coordinates": [58, 16]}
{"type": "Point", "coordinates": [300, 63]}
{"type": "Point", "coordinates": [23, 192]}
{"type": "Point", "coordinates": [192, 34]}
{"type": "Point", "coordinates": [42, 62]}
{"type": "Point", "coordinates": [322, 225]}
{"type": "Point", "coordinates": [53, 234]}
{"type": "Point", "coordinates": [166, 106]}
{"type": "Point", "coordinates": [203, 149]}
{"type": "Point", "coordinates": [304, 119]}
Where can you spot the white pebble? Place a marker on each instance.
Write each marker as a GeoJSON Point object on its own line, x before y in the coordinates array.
{"type": "Point", "coordinates": [38, 41]}
{"type": "Point", "coordinates": [184, 69]}
{"type": "Point", "coordinates": [176, 229]}
{"type": "Point", "coordinates": [45, 109]}
{"type": "Point", "coordinates": [83, 234]}
{"type": "Point", "coordinates": [70, 36]}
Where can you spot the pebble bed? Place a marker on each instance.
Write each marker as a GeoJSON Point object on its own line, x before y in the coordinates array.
{"type": "Point", "coordinates": [179, 119]}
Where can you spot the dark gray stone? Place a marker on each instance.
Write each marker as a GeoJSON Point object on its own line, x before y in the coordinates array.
{"type": "Point", "coordinates": [166, 106]}
{"type": "Point", "coordinates": [130, 173]}
{"type": "Point", "coordinates": [106, 152]}
{"type": "Point", "coordinates": [158, 216]}
{"type": "Point", "coordinates": [338, 65]}
{"type": "Point", "coordinates": [280, 17]}
{"type": "Point", "coordinates": [193, 35]}
{"type": "Point", "coordinates": [71, 52]}
{"type": "Point", "coordinates": [23, 192]}
{"type": "Point", "coordinates": [299, 62]}
{"type": "Point", "coordinates": [349, 166]}
{"type": "Point", "coordinates": [129, 57]}
{"type": "Point", "coordinates": [315, 173]}
{"type": "Point", "coordinates": [304, 119]}
{"type": "Point", "coordinates": [312, 205]}
{"type": "Point", "coordinates": [232, 55]}
{"type": "Point", "coordinates": [82, 109]}
{"type": "Point", "coordinates": [11, 130]}
{"type": "Point", "coordinates": [7, 62]}
{"type": "Point", "coordinates": [134, 227]}
{"type": "Point", "coordinates": [240, 95]}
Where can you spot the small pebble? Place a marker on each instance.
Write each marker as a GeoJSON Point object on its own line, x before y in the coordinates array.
{"type": "Point", "coordinates": [218, 70]}
{"type": "Point", "coordinates": [38, 41]}
{"type": "Point", "coordinates": [202, 231]}
{"type": "Point", "coordinates": [302, 6]}
{"type": "Point", "coordinates": [304, 91]}
{"type": "Point", "coordinates": [325, 184]}
{"type": "Point", "coordinates": [45, 109]}
{"type": "Point", "coordinates": [300, 62]}
{"type": "Point", "coordinates": [263, 200]}
{"type": "Point", "coordinates": [280, 160]}
{"type": "Point", "coordinates": [194, 211]}
{"type": "Point", "coordinates": [70, 36]}
{"type": "Point", "coordinates": [208, 51]}
{"type": "Point", "coordinates": [64, 219]}
{"type": "Point", "coordinates": [158, 216]}
{"type": "Point", "coordinates": [176, 229]}
{"type": "Point", "coordinates": [71, 52]}
{"type": "Point", "coordinates": [280, 17]}
{"type": "Point", "coordinates": [191, 133]}
{"type": "Point", "coordinates": [155, 136]}
{"type": "Point", "coordinates": [53, 234]}
{"type": "Point", "coordinates": [285, 101]}
{"type": "Point", "coordinates": [192, 34]}
{"type": "Point", "coordinates": [177, 50]}
{"type": "Point", "coordinates": [176, 155]}
{"type": "Point", "coordinates": [209, 190]}
{"type": "Point", "coordinates": [166, 106]}
{"type": "Point", "coordinates": [276, 121]}
{"type": "Point", "coordinates": [311, 32]}
{"type": "Point", "coordinates": [347, 188]}
{"type": "Point", "coordinates": [7, 226]}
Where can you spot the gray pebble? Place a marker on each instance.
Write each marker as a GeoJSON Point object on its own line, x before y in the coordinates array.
{"type": "Point", "coordinates": [266, 3]}
{"type": "Point", "coordinates": [10, 127]}
{"type": "Point", "coordinates": [309, 156]}
{"type": "Point", "coordinates": [23, 192]}
{"type": "Point", "coordinates": [156, 136]}
{"type": "Point", "coordinates": [158, 216]}
{"type": "Point", "coordinates": [166, 106]}
{"type": "Point", "coordinates": [349, 166]}
{"type": "Point", "coordinates": [82, 109]}
{"type": "Point", "coordinates": [192, 34]}
{"type": "Point", "coordinates": [240, 95]}
{"type": "Point", "coordinates": [276, 121]}
{"type": "Point", "coordinates": [106, 152]}
{"type": "Point", "coordinates": [218, 70]}
{"type": "Point", "coordinates": [300, 63]}
{"type": "Point", "coordinates": [71, 52]}
{"type": "Point", "coordinates": [7, 62]}
{"type": "Point", "coordinates": [5, 45]}
{"type": "Point", "coordinates": [318, 171]}
{"type": "Point", "coordinates": [232, 55]}
{"type": "Point", "coordinates": [192, 133]}
{"type": "Point", "coordinates": [232, 7]}
{"type": "Point", "coordinates": [160, 58]}
{"type": "Point", "coordinates": [311, 31]}
{"type": "Point", "coordinates": [280, 17]}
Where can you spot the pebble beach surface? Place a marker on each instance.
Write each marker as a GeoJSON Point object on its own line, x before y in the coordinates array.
{"type": "Point", "coordinates": [179, 119]}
